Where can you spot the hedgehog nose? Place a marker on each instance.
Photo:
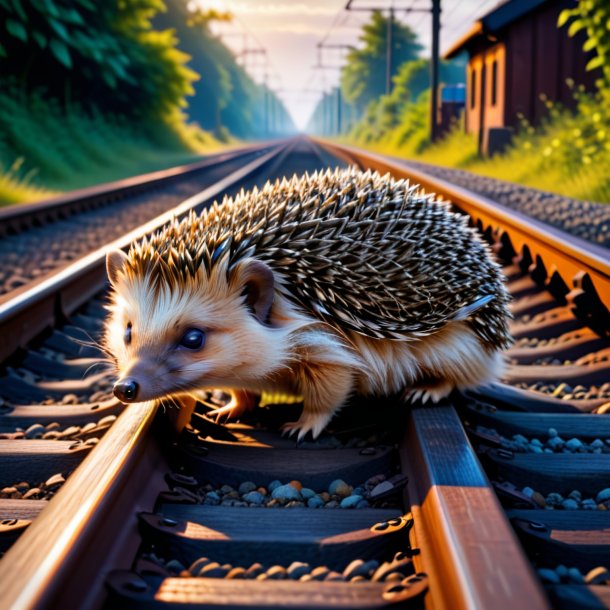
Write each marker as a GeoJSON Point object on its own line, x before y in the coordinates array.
{"type": "Point", "coordinates": [126, 389]}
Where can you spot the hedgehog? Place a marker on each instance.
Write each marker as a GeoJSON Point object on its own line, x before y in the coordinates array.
{"type": "Point", "coordinates": [336, 283]}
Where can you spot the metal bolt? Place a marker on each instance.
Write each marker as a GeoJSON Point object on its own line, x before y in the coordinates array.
{"type": "Point", "coordinates": [167, 522]}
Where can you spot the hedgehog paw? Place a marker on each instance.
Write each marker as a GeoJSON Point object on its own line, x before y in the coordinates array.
{"type": "Point", "coordinates": [306, 423]}
{"type": "Point", "coordinates": [241, 402]}
{"type": "Point", "coordinates": [432, 393]}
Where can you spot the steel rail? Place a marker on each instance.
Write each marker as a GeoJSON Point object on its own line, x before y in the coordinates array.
{"type": "Point", "coordinates": [43, 565]}
{"type": "Point", "coordinates": [31, 311]}
{"type": "Point", "coordinates": [566, 253]}
{"type": "Point", "coordinates": [13, 217]}
{"type": "Point", "coordinates": [469, 550]}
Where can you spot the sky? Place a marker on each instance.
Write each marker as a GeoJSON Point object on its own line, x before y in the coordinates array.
{"type": "Point", "coordinates": [289, 31]}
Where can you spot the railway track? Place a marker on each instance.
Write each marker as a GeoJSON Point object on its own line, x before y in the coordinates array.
{"type": "Point", "coordinates": [445, 507]}
{"type": "Point", "coordinates": [40, 238]}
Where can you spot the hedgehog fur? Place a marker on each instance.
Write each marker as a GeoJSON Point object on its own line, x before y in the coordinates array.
{"type": "Point", "coordinates": [340, 282]}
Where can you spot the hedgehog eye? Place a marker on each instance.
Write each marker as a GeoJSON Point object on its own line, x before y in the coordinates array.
{"type": "Point", "coordinates": [193, 338]}
{"type": "Point", "coordinates": [128, 334]}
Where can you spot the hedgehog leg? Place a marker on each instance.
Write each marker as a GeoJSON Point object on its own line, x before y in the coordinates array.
{"type": "Point", "coordinates": [325, 388]}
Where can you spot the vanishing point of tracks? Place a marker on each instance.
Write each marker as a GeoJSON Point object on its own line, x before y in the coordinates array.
{"type": "Point", "coordinates": [496, 499]}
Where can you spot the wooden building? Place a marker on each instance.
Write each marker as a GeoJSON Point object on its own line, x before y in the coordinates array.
{"type": "Point", "coordinates": [516, 54]}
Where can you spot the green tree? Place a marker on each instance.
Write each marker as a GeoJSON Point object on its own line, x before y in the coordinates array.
{"type": "Point", "coordinates": [226, 97]}
{"type": "Point", "coordinates": [102, 53]}
{"type": "Point", "coordinates": [364, 77]}
{"type": "Point", "coordinates": [593, 17]}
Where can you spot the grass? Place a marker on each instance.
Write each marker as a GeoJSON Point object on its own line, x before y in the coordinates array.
{"type": "Point", "coordinates": [568, 154]}
{"type": "Point", "coordinates": [47, 147]}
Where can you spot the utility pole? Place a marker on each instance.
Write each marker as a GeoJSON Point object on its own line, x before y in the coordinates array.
{"type": "Point", "coordinates": [389, 33]}
{"type": "Point", "coordinates": [434, 68]}
{"type": "Point", "coordinates": [339, 98]}
{"type": "Point", "coordinates": [388, 52]}
{"type": "Point", "coordinates": [435, 10]}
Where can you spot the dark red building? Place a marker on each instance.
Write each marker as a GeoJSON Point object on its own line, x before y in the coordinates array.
{"type": "Point", "coordinates": [516, 54]}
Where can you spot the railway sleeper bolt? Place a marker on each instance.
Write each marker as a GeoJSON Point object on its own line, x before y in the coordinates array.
{"type": "Point", "coordinates": [537, 526]}
{"type": "Point", "coordinates": [411, 587]}
{"type": "Point", "coordinates": [177, 479]}
{"type": "Point", "coordinates": [393, 525]}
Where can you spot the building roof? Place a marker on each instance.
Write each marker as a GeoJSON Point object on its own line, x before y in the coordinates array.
{"type": "Point", "coordinates": [494, 21]}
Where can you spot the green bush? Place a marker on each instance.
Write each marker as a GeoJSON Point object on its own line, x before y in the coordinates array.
{"type": "Point", "coordinates": [45, 146]}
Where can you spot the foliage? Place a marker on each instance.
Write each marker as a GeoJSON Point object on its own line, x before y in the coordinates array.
{"type": "Point", "coordinates": [16, 187]}
{"type": "Point", "coordinates": [569, 153]}
{"type": "Point", "coordinates": [364, 76]}
{"type": "Point", "coordinates": [226, 97]}
{"type": "Point", "coordinates": [104, 52]}
{"type": "Point", "coordinates": [592, 17]}
{"type": "Point", "coordinates": [394, 111]}
{"type": "Point", "coordinates": [49, 146]}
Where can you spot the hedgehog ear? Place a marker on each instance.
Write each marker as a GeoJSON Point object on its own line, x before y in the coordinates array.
{"type": "Point", "coordinates": [115, 259]}
{"type": "Point", "coordinates": [258, 288]}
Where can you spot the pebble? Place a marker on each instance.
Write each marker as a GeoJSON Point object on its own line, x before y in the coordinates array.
{"type": "Point", "coordinates": [358, 567]}
{"type": "Point", "coordinates": [297, 569]}
{"type": "Point", "coordinates": [214, 570]}
{"type": "Point", "coordinates": [254, 497]}
{"type": "Point", "coordinates": [575, 576]}
{"type": "Point", "coordinates": [286, 492]}
{"type": "Point", "coordinates": [553, 444]}
{"type": "Point", "coordinates": [254, 570]}
{"type": "Point", "coordinates": [246, 487]}
{"type": "Point", "coordinates": [175, 566]}
{"type": "Point", "coordinates": [319, 573]}
{"type": "Point", "coordinates": [55, 481]}
{"type": "Point", "coordinates": [381, 488]}
{"type": "Point", "coordinates": [33, 493]}
{"type": "Point", "coordinates": [295, 504]}
{"type": "Point", "coordinates": [351, 501]}
{"type": "Point", "coordinates": [212, 498]}
{"type": "Point", "coordinates": [236, 573]}
{"type": "Point", "coordinates": [603, 495]}
{"type": "Point", "coordinates": [339, 488]}
{"type": "Point", "coordinates": [293, 494]}
{"type": "Point", "coordinates": [276, 573]}
{"type": "Point", "coordinates": [307, 493]}
{"type": "Point", "coordinates": [198, 565]}
{"type": "Point", "coordinates": [538, 498]}
{"type": "Point", "coordinates": [570, 504]}
{"type": "Point", "coordinates": [315, 502]}
{"type": "Point", "coordinates": [274, 484]}
{"type": "Point", "coordinates": [574, 444]}
{"type": "Point", "coordinates": [549, 576]}
{"type": "Point", "coordinates": [35, 431]}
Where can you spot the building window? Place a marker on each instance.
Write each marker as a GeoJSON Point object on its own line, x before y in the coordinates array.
{"type": "Point", "coordinates": [494, 82]}
{"type": "Point", "coordinates": [473, 88]}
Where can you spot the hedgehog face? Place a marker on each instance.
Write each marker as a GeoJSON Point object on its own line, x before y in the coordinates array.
{"type": "Point", "coordinates": [169, 339]}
